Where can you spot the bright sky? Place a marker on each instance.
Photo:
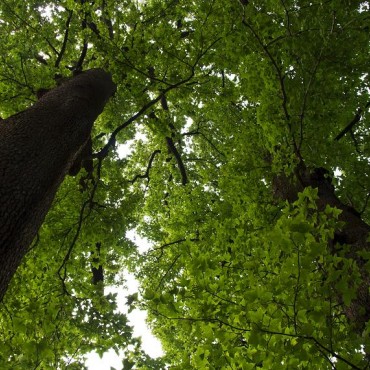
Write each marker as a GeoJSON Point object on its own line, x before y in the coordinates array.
{"type": "Point", "coordinates": [150, 344]}
{"type": "Point", "coordinates": [137, 318]}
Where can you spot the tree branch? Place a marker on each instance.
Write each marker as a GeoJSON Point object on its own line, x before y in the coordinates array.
{"type": "Point", "coordinates": [355, 120]}
{"type": "Point", "coordinates": [317, 343]}
{"type": "Point", "coordinates": [107, 20]}
{"type": "Point", "coordinates": [180, 163]}
{"type": "Point", "coordinates": [198, 132]}
{"type": "Point", "coordinates": [112, 140]}
{"type": "Point", "coordinates": [276, 67]}
{"type": "Point", "coordinates": [65, 40]}
{"type": "Point", "coordinates": [145, 175]}
{"type": "Point", "coordinates": [168, 270]}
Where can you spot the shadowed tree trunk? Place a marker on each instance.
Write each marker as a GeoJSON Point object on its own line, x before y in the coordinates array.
{"type": "Point", "coordinates": [37, 148]}
{"type": "Point", "coordinates": [354, 233]}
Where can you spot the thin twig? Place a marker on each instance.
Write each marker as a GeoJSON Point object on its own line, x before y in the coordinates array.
{"type": "Point", "coordinates": [305, 96]}
{"type": "Point", "coordinates": [168, 270]}
{"type": "Point", "coordinates": [276, 67]}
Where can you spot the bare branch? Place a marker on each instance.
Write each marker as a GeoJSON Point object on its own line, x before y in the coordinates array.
{"type": "Point", "coordinates": [65, 40]}
{"type": "Point", "coordinates": [145, 175]}
{"type": "Point", "coordinates": [355, 120]}
{"type": "Point", "coordinates": [78, 66]}
{"type": "Point", "coordinates": [112, 140]}
{"type": "Point", "coordinates": [168, 270]}
{"type": "Point", "coordinates": [180, 163]}
{"type": "Point", "coordinates": [168, 245]}
{"type": "Point", "coordinates": [198, 132]}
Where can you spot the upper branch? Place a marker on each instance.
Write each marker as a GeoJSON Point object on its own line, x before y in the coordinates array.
{"type": "Point", "coordinates": [180, 163]}
{"type": "Point", "coordinates": [112, 140]}
{"type": "Point", "coordinates": [65, 40]}
{"type": "Point", "coordinates": [355, 120]}
{"type": "Point", "coordinates": [276, 67]}
{"type": "Point", "coordinates": [150, 164]}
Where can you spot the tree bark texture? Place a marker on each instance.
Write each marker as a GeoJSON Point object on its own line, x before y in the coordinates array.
{"type": "Point", "coordinates": [354, 233]}
{"type": "Point", "coordinates": [37, 148]}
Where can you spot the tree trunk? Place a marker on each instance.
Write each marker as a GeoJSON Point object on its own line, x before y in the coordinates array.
{"type": "Point", "coordinates": [354, 233]}
{"type": "Point", "coordinates": [37, 148]}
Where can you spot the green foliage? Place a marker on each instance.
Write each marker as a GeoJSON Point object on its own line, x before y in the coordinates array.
{"type": "Point", "coordinates": [235, 278]}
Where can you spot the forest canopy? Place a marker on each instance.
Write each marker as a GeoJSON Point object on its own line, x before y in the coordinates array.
{"type": "Point", "coordinates": [237, 143]}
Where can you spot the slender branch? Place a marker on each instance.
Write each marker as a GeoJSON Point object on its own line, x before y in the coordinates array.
{"type": "Point", "coordinates": [171, 145]}
{"type": "Point", "coordinates": [167, 245]}
{"type": "Point", "coordinates": [72, 244]}
{"type": "Point", "coordinates": [10, 9]}
{"type": "Point", "coordinates": [107, 20]}
{"type": "Point", "coordinates": [297, 288]}
{"type": "Point", "coordinates": [145, 175]}
{"type": "Point", "coordinates": [78, 66]}
{"type": "Point", "coordinates": [89, 202]}
{"type": "Point", "coordinates": [276, 67]}
{"type": "Point", "coordinates": [333, 367]}
{"type": "Point", "coordinates": [198, 132]}
{"type": "Point", "coordinates": [180, 163]}
{"type": "Point", "coordinates": [355, 142]}
{"type": "Point", "coordinates": [168, 270]}
{"type": "Point", "coordinates": [365, 204]}
{"type": "Point", "coordinates": [305, 97]}
{"type": "Point", "coordinates": [112, 140]}
{"type": "Point", "coordinates": [355, 120]}
{"type": "Point", "coordinates": [7, 78]}
{"type": "Point", "coordinates": [320, 346]}
{"type": "Point", "coordinates": [287, 17]}
{"type": "Point", "coordinates": [221, 298]}
{"type": "Point", "coordinates": [65, 40]}
{"type": "Point", "coordinates": [203, 319]}
{"type": "Point", "coordinates": [24, 74]}
{"type": "Point", "coordinates": [281, 78]}
{"type": "Point", "coordinates": [314, 340]}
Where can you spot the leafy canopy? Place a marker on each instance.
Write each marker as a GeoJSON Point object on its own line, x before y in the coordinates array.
{"type": "Point", "coordinates": [213, 99]}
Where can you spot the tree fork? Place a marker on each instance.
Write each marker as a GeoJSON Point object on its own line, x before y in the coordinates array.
{"type": "Point", "coordinates": [37, 148]}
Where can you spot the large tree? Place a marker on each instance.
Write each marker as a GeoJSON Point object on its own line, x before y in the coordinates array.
{"type": "Point", "coordinates": [39, 146]}
{"type": "Point", "coordinates": [245, 128]}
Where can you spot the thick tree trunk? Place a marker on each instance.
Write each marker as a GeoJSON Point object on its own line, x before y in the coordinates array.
{"type": "Point", "coordinates": [37, 148]}
{"type": "Point", "coordinates": [354, 233]}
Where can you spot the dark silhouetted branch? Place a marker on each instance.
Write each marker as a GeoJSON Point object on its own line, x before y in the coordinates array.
{"type": "Point", "coordinates": [355, 120]}
{"type": "Point", "coordinates": [145, 175]}
{"type": "Point", "coordinates": [180, 163]}
{"type": "Point", "coordinates": [65, 40]}
{"type": "Point", "coordinates": [185, 82]}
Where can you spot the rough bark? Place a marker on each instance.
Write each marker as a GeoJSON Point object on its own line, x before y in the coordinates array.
{"type": "Point", "coordinates": [37, 148]}
{"type": "Point", "coordinates": [354, 232]}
